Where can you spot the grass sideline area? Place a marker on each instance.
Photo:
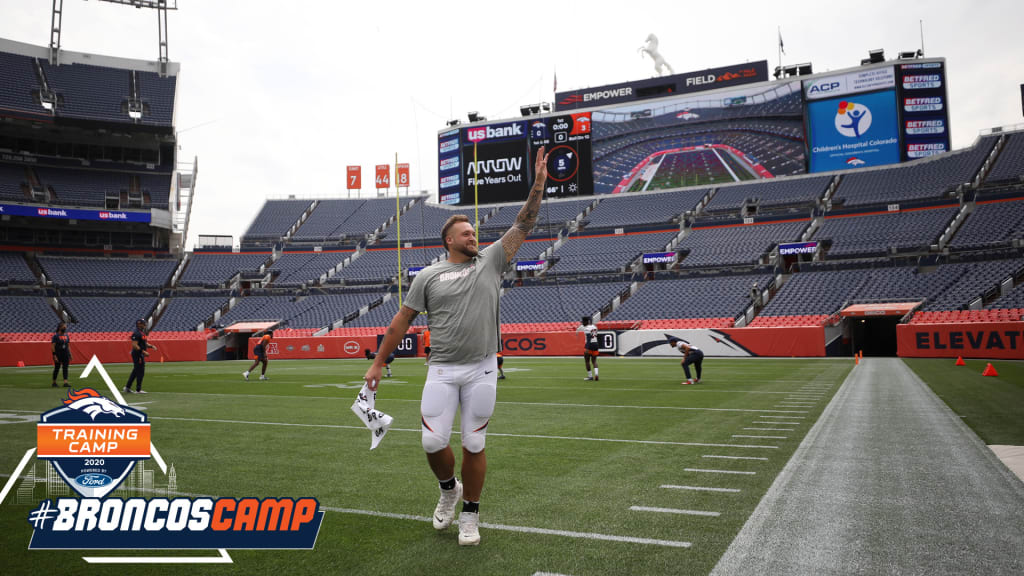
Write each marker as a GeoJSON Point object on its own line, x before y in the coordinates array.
{"type": "Point", "coordinates": [565, 455]}
{"type": "Point", "coordinates": [993, 406]}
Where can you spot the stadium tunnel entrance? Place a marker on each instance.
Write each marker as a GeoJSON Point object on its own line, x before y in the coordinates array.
{"type": "Point", "coordinates": [873, 326]}
{"type": "Point", "coordinates": [875, 336]}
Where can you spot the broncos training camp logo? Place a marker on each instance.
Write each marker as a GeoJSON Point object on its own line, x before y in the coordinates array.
{"type": "Point", "coordinates": [92, 441]}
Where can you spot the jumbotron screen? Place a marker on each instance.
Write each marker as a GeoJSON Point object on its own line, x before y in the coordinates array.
{"type": "Point", "coordinates": [868, 116]}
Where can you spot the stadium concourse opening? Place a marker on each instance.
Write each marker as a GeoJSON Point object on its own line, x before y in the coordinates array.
{"type": "Point", "coordinates": [238, 342]}
{"type": "Point", "coordinates": [873, 326]}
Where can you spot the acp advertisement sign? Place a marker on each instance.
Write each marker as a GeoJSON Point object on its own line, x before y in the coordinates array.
{"type": "Point", "coordinates": [855, 130]}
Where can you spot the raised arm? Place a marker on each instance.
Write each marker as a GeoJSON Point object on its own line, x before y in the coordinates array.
{"type": "Point", "coordinates": [527, 218]}
{"type": "Point", "coordinates": [399, 326]}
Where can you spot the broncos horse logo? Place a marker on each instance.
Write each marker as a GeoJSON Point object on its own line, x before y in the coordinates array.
{"type": "Point", "coordinates": [89, 401]}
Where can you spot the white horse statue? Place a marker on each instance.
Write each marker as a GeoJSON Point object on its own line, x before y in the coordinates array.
{"type": "Point", "coordinates": [651, 49]}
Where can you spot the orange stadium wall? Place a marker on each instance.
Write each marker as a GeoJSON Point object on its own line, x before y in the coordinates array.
{"type": "Point", "coordinates": [1004, 340]}
{"type": "Point", "coordinates": [788, 341]}
{"type": "Point", "coordinates": [108, 351]}
{"type": "Point", "coordinates": [311, 348]}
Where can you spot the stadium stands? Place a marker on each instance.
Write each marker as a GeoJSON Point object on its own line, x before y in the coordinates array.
{"type": "Point", "coordinates": [929, 179]}
{"type": "Point", "coordinates": [736, 244]}
{"type": "Point", "coordinates": [204, 269]}
{"type": "Point", "coordinates": [185, 313]}
{"type": "Point", "coordinates": [557, 302]}
{"type": "Point", "coordinates": [14, 269]}
{"type": "Point", "coordinates": [108, 272]}
{"type": "Point", "coordinates": [380, 265]}
{"type": "Point", "coordinates": [105, 313]}
{"type": "Point", "coordinates": [19, 82]}
{"type": "Point", "coordinates": [101, 93]}
{"type": "Point", "coordinates": [716, 299]}
{"type": "Point", "coordinates": [381, 316]}
{"type": "Point", "coordinates": [768, 194]}
{"type": "Point", "coordinates": [335, 220]}
{"type": "Point", "coordinates": [625, 210]}
{"type": "Point", "coordinates": [553, 214]}
{"type": "Point", "coordinates": [877, 234]}
{"type": "Point", "coordinates": [314, 311]}
{"type": "Point", "coordinates": [589, 254]}
{"type": "Point", "coordinates": [991, 224]}
{"type": "Point", "coordinates": [275, 219]}
{"type": "Point", "coordinates": [298, 268]}
{"type": "Point", "coordinates": [1009, 167]}
{"type": "Point", "coordinates": [423, 222]}
{"type": "Point", "coordinates": [26, 314]}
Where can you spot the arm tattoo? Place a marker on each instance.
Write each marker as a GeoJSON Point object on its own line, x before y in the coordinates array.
{"type": "Point", "coordinates": [525, 222]}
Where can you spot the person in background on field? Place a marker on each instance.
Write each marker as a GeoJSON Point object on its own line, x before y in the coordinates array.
{"type": "Point", "coordinates": [387, 361]}
{"type": "Point", "coordinates": [426, 346]}
{"type": "Point", "coordinates": [60, 348]}
{"type": "Point", "coordinates": [590, 347]}
{"type": "Point", "coordinates": [140, 347]}
{"type": "Point", "coordinates": [691, 355]}
{"type": "Point", "coordinates": [259, 352]}
{"type": "Point", "coordinates": [501, 362]}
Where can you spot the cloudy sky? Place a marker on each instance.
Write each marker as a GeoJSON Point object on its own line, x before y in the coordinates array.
{"type": "Point", "coordinates": [277, 98]}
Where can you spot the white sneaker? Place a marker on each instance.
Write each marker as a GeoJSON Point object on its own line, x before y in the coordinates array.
{"type": "Point", "coordinates": [589, 378]}
{"type": "Point", "coordinates": [469, 529]}
{"type": "Point", "coordinates": [262, 378]}
{"type": "Point", "coordinates": [245, 375]}
{"type": "Point", "coordinates": [142, 392]}
{"type": "Point", "coordinates": [444, 513]}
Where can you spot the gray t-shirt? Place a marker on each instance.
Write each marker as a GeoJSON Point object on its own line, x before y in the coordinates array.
{"type": "Point", "coordinates": [462, 303]}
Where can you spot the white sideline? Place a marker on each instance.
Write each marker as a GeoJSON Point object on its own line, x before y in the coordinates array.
{"type": "Point", "coordinates": [525, 529]}
{"type": "Point", "coordinates": [718, 471]}
{"type": "Point", "coordinates": [700, 488]}
{"type": "Point", "coordinates": [508, 435]}
{"type": "Point", "coordinates": [674, 511]}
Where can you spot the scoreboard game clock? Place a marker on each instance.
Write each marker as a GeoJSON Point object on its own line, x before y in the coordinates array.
{"type": "Point", "coordinates": [567, 138]}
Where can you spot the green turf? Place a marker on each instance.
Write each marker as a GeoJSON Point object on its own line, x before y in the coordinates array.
{"type": "Point", "coordinates": [551, 465]}
{"type": "Point", "coordinates": [993, 406]}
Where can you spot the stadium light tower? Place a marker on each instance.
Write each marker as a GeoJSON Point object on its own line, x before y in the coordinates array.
{"type": "Point", "coordinates": [161, 7]}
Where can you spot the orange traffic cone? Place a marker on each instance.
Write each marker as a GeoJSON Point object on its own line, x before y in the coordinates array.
{"type": "Point", "coordinates": [21, 363]}
{"type": "Point", "coordinates": [960, 361]}
{"type": "Point", "coordinates": [990, 370]}
{"type": "Point", "coordinates": [856, 359]}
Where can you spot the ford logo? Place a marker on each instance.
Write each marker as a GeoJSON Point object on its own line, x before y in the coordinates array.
{"type": "Point", "coordinates": [93, 480]}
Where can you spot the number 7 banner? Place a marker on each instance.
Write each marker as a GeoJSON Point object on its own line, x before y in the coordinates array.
{"type": "Point", "coordinates": [355, 178]}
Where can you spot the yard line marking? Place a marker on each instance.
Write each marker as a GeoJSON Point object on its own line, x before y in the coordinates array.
{"type": "Point", "coordinates": [17, 472]}
{"type": "Point", "coordinates": [506, 434]}
{"type": "Point", "coordinates": [570, 405]}
{"type": "Point", "coordinates": [734, 457]}
{"type": "Point", "coordinates": [523, 529]}
{"type": "Point", "coordinates": [776, 422]}
{"type": "Point", "coordinates": [775, 429]}
{"type": "Point", "coordinates": [785, 417]}
{"type": "Point", "coordinates": [700, 488]}
{"type": "Point", "coordinates": [548, 574]}
{"type": "Point", "coordinates": [718, 471]}
{"type": "Point", "coordinates": [766, 437]}
{"type": "Point", "coordinates": [674, 511]}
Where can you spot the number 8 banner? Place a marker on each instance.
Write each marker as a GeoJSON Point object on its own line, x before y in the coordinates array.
{"type": "Point", "coordinates": [403, 176]}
